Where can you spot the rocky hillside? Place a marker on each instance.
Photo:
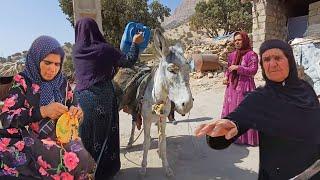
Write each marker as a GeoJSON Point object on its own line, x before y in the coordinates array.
{"type": "Point", "coordinates": [185, 35]}
{"type": "Point", "coordinates": [181, 14]}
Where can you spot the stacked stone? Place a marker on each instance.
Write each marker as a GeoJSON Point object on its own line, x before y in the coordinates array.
{"type": "Point", "coordinates": [11, 68]}
{"type": "Point", "coordinates": [314, 19]}
{"type": "Point", "coordinates": [221, 48]}
{"type": "Point", "coordinates": [269, 22]}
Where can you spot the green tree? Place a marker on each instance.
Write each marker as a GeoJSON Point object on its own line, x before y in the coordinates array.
{"type": "Point", "coordinates": [67, 8]}
{"type": "Point", "coordinates": [226, 15]}
{"type": "Point", "coordinates": [117, 13]}
{"type": "Point", "coordinates": [68, 68]}
{"type": "Point", "coordinates": [68, 45]}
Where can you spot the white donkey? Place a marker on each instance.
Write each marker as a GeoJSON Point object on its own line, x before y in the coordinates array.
{"type": "Point", "coordinates": [170, 82]}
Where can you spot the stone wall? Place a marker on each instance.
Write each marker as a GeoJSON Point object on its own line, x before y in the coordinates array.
{"type": "Point", "coordinates": [269, 22]}
{"type": "Point", "coordinates": [85, 8]}
{"type": "Point", "coordinates": [314, 19]}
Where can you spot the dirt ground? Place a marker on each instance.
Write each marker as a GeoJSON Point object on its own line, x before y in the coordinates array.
{"type": "Point", "coordinates": [190, 157]}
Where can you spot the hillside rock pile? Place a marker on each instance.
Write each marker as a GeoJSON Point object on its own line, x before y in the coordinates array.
{"type": "Point", "coordinates": [222, 48]}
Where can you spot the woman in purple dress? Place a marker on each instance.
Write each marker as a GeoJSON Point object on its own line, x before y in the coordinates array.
{"type": "Point", "coordinates": [239, 78]}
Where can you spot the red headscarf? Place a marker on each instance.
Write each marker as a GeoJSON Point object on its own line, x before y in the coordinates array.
{"type": "Point", "coordinates": [246, 47]}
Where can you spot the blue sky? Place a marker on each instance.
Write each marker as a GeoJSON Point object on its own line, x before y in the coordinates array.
{"type": "Point", "coordinates": [24, 20]}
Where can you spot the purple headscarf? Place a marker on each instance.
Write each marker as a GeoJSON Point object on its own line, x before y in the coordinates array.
{"type": "Point", "coordinates": [94, 59]}
{"type": "Point", "coordinates": [40, 48]}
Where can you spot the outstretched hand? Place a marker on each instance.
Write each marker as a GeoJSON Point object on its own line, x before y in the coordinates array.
{"type": "Point", "coordinates": [216, 128]}
{"type": "Point", "coordinates": [225, 81]}
{"type": "Point", "coordinates": [233, 67]}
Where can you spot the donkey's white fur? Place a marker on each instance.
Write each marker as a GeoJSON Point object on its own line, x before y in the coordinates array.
{"type": "Point", "coordinates": [170, 82]}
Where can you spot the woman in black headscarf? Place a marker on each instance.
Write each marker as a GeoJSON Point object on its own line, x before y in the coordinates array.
{"type": "Point", "coordinates": [95, 62]}
{"type": "Point", "coordinates": [285, 112]}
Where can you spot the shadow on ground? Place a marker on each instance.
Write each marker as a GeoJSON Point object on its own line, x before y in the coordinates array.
{"type": "Point", "coordinates": [190, 159]}
{"type": "Point", "coordinates": [194, 120]}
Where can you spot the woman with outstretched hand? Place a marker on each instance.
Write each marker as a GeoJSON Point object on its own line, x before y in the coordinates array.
{"type": "Point", "coordinates": [285, 111]}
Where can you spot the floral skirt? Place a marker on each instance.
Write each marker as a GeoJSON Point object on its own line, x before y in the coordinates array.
{"type": "Point", "coordinates": [31, 157]}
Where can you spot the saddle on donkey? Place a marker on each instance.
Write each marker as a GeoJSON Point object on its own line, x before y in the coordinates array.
{"type": "Point", "coordinates": [130, 85]}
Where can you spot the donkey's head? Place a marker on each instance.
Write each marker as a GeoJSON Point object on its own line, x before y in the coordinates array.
{"type": "Point", "coordinates": [173, 73]}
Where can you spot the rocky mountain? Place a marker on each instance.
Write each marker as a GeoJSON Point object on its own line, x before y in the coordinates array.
{"type": "Point", "coordinates": [181, 14]}
{"type": "Point", "coordinates": [67, 47]}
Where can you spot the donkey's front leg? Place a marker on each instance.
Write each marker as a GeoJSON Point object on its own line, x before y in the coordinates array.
{"type": "Point", "coordinates": [146, 144]}
{"type": "Point", "coordinates": [163, 147]}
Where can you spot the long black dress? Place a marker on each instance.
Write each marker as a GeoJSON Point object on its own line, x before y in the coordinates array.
{"type": "Point", "coordinates": [100, 108]}
{"type": "Point", "coordinates": [279, 158]}
{"type": "Point", "coordinates": [287, 145]}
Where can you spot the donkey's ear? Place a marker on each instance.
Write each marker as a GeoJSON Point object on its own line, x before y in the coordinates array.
{"type": "Point", "coordinates": [160, 43]}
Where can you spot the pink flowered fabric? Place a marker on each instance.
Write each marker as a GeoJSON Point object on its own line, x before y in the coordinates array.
{"type": "Point", "coordinates": [70, 160]}
{"type": "Point", "coordinates": [20, 81]}
{"type": "Point", "coordinates": [53, 159]}
{"type": "Point", "coordinates": [35, 88]}
{"type": "Point", "coordinates": [12, 130]}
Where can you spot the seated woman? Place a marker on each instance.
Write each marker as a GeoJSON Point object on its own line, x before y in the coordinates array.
{"type": "Point", "coordinates": [38, 97]}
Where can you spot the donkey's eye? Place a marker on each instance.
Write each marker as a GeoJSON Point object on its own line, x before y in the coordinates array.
{"type": "Point", "coordinates": [173, 68]}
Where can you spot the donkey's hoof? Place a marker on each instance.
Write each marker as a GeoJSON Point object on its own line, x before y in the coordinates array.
{"type": "Point", "coordinates": [143, 171]}
{"type": "Point", "coordinates": [169, 172]}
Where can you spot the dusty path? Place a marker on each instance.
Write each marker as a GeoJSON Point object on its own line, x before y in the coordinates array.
{"type": "Point", "coordinates": [190, 157]}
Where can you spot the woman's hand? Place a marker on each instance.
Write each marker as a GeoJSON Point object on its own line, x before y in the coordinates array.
{"type": "Point", "coordinates": [138, 38]}
{"type": "Point", "coordinates": [221, 127]}
{"type": "Point", "coordinates": [53, 110]}
{"type": "Point", "coordinates": [233, 67]}
{"type": "Point", "coordinates": [76, 112]}
{"type": "Point", "coordinates": [225, 81]}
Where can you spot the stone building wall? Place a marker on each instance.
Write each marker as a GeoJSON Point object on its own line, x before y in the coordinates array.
{"type": "Point", "coordinates": [314, 19]}
{"type": "Point", "coordinates": [269, 22]}
{"type": "Point", "coordinates": [85, 8]}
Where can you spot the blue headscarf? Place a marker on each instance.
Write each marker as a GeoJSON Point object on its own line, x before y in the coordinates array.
{"type": "Point", "coordinates": [40, 48]}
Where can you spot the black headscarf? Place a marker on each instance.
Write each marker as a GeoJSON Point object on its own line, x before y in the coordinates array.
{"type": "Point", "coordinates": [93, 57]}
{"type": "Point", "coordinates": [292, 89]}
{"type": "Point", "coordinates": [288, 109]}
